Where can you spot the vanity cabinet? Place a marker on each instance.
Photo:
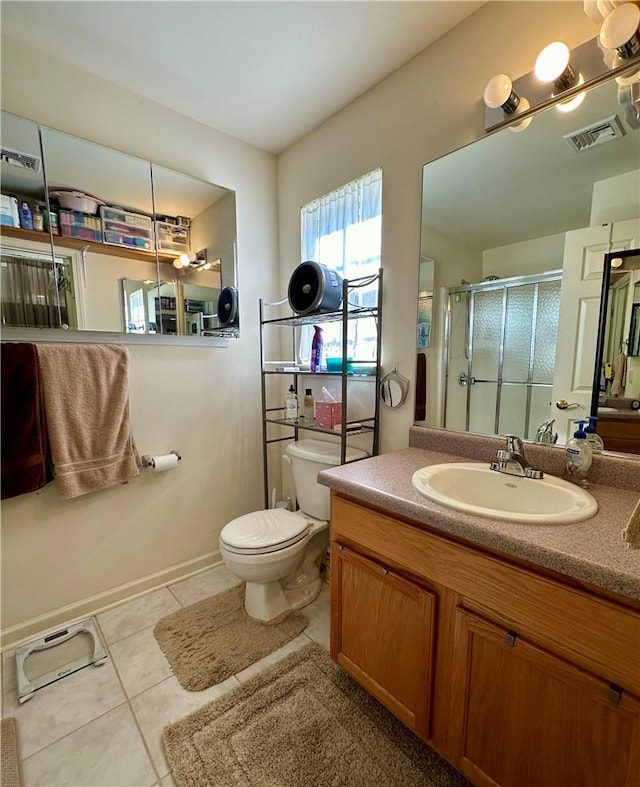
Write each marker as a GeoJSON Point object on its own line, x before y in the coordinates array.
{"type": "Point", "coordinates": [519, 677]}
{"type": "Point", "coordinates": [620, 434]}
{"type": "Point", "coordinates": [384, 635]}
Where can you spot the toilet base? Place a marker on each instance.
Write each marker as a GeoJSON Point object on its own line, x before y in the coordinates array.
{"type": "Point", "coordinates": [267, 600]}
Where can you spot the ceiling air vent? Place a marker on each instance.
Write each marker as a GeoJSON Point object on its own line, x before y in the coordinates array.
{"type": "Point", "coordinates": [596, 134]}
{"type": "Point", "coordinates": [18, 159]}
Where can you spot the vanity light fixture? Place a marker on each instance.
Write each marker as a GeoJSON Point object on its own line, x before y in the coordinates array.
{"type": "Point", "coordinates": [553, 65]}
{"type": "Point", "coordinates": [192, 259]}
{"type": "Point", "coordinates": [620, 38]}
{"type": "Point", "coordinates": [499, 94]}
{"type": "Point", "coordinates": [620, 31]}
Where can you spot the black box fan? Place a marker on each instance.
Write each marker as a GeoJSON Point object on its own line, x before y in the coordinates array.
{"type": "Point", "coordinates": [314, 288]}
{"type": "Point", "coordinates": [228, 307]}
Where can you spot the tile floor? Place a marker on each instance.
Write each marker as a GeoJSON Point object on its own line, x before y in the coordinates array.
{"type": "Point", "coordinates": [102, 725]}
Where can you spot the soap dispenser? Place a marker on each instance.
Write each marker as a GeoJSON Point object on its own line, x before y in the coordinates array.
{"type": "Point", "coordinates": [291, 405]}
{"type": "Point", "coordinates": [593, 438]}
{"type": "Point", "coordinates": [579, 456]}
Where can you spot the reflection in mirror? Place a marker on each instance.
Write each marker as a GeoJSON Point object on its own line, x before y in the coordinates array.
{"type": "Point", "coordinates": [72, 257]}
{"type": "Point", "coordinates": [196, 231]}
{"type": "Point", "coordinates": [102, 199]}
{"type": "Point", "coordinates": [517, 276]}
{"type": "Point", "coordinates": [425, 301]}
{"type": "Point", "coordinates": [35, 286]}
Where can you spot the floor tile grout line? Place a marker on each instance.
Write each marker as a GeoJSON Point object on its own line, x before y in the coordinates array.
{"type": "Point", "coordinates": [132, 711]}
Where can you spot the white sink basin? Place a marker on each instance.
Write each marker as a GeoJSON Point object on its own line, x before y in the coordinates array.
{"type": "Point", "coordinates": [475, 489]}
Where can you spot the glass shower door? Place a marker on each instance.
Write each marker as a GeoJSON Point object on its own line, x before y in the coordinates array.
{"type": "Point", "coordinates": [501, 355]}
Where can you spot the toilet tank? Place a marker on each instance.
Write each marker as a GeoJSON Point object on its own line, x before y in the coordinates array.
{"type": "Point", "coordinates": [308, 458]}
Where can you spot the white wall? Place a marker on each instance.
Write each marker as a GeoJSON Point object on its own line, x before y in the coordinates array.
{"type": "Point", "coordinates": [615, 199]}
{"type": "Point", "coordinates": [425, 109]}
{"type": "Point", "coordinates": [74, 557]}
{"type": "Point", "coordinates": [521, 259]}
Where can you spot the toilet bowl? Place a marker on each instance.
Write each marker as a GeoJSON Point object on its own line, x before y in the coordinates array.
{"type": "Point", "coordinates": [277, 552]}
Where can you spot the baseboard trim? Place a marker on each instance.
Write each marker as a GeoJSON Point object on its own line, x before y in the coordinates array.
{"type": "Point", "coordinates": [93, 605]}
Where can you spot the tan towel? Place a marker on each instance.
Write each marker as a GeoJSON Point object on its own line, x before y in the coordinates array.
{"type": "Point", "coordinates": [86, 397]}
{"type": "Point", "coordinates": [631, 533]}
{"type": "Point", "coordinates": [619, 375]}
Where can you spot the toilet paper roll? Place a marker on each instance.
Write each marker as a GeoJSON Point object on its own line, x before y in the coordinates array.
{"type": "Point", "coordinates": [163, 463]}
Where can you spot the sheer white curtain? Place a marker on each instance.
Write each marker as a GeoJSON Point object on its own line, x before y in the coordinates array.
{"type": "Point", "coordinates": [343, 230]}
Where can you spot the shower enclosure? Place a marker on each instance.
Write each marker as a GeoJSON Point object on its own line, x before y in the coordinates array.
{"type": "Point", "coordinates": [500, 347]}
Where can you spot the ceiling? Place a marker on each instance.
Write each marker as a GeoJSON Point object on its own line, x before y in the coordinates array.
{"type": "Point", "coordinates": [513, 187]}
{"type": "Point", "coordinates": [264, 72]}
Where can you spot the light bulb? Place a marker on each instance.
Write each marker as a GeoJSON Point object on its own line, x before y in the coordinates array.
{"type": "Point", "coordinates": [619, 30]}
{"type": "Point", "coordinates": [552, 65]}
{"type": "Point", "coordinates": [177, 263]}
{"type": "Point", "coordinates": [186, 258]}
{"type": "Point", "coordinates": [572, 103]}
{"type": "Point", "coordinates": [206, 266]}
{"type": "Point", "coordinates": [498, 92]}
{"type": "Point", "coordinates": [522, 124]}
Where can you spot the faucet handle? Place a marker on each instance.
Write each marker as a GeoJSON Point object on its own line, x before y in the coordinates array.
{"type": "Point", "coordinates": [514, 444]}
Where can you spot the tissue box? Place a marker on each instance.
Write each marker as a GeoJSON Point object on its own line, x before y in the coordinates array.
{"type": "Point", "coordinates": [328, 414]}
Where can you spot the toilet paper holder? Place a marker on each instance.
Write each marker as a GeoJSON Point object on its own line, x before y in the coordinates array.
{"type": "Point", "coordinates": [150, 461]}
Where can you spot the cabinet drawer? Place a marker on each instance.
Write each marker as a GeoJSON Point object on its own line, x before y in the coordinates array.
{"type": "Point", "coordinates": [591, 631]}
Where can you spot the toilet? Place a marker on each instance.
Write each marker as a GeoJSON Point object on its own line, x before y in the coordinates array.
{"type": "Point", "coordinates": [277, 552]}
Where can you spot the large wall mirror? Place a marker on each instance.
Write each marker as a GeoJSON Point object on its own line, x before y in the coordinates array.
{"type": "Point", "coordinates": [518, 225]}
{"type": "Point", "coordinates": [104, 241]}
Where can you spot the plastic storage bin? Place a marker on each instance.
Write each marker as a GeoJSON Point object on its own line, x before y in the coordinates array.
{"type": "Point", "coordinates": [172, 237]}
{"type": "Point", "coordinates": [78, 225]}
{"type": "Point", "coordinates": [122, 228]}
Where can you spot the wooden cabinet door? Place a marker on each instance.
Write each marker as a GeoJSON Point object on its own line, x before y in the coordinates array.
{"type": "Point", "coordinates": [526, 718]}
{"type": "Point", "coordinates": [382, 634]}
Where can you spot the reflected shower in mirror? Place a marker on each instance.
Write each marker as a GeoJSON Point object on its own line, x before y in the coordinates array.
{"type": "Point", "coordinates": [518, 225]}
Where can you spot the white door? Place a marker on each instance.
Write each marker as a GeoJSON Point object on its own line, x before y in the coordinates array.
{"type": "Point", "coordinates": [583, 262]}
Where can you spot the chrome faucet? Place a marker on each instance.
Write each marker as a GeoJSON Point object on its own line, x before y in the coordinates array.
{"type": "Point", "coordinates": [511, 459]}
{"type": "Point", "coordinates": [545, 433]}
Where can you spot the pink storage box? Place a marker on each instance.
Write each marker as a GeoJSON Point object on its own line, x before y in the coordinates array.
{"type": "Point", "coordinates": [328, 414]}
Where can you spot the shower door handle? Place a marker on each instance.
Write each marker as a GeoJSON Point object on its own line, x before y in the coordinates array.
{"type": "Point", "coordinates": [465, 379]}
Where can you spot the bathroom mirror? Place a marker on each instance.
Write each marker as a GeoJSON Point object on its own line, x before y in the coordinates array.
{"type": "Point", "coordinates": [118, 224]}
{"type": "Point", "coordinates": [617, 364]}
{"type": "Point", "coordinates": [517, 225]}
{"type": "Point", "coordinates": [34, 284]}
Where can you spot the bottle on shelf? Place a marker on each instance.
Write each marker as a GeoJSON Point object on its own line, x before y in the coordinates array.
{"type": "Point", "coordinates": [38, 218]}
{"type": "Point", "coordinates": [291, 405]}
{"type": "Point", "coordinates": [308, 405]}
{"type": "Point", "coordinates": [317, 350]}
{"type": "Point", "coordinates": [26, 217]}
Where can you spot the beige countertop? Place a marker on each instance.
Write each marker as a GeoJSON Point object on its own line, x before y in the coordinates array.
{"type": "Point", "coordinates": [592, 551]}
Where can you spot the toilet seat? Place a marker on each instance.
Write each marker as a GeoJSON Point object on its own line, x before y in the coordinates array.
{"type": "Point", "coordinates": [261, 532]}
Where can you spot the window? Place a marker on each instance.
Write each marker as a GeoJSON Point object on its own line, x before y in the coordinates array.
{"type": "Point", "coordinates": [343, 230]}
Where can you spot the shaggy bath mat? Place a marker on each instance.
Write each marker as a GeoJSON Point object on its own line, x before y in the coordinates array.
{"type": "Point", "coordinates": [9, 759]}
{"type": "Point", "coordinates": [300, 723]}
{"type": "Point", "coordinates": [209, 641]}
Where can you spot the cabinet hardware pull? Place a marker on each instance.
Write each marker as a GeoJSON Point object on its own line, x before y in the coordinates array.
{"type": "Point", "coordinates": [385, 570]}
{"type": "Point", "coordinates": [341, 547]}
{"type": "Point", "coordinates": [615, 694]}
{"type": "Point", "coordinates": [510, 638]}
